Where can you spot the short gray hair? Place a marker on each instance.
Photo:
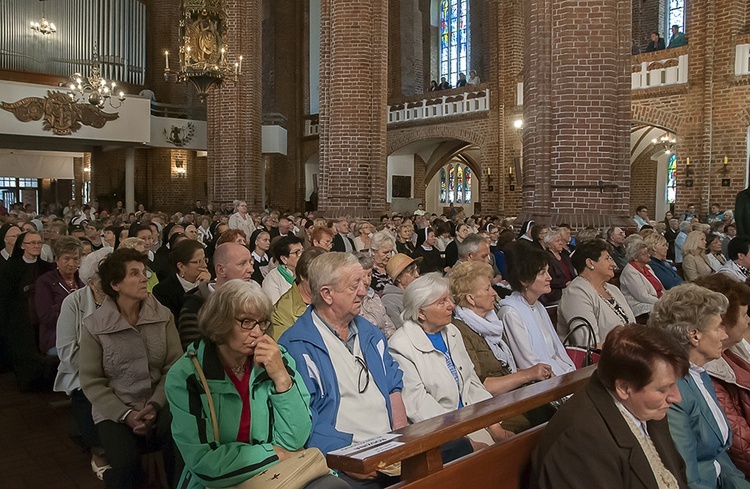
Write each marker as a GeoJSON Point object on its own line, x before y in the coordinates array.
{"type": "Point", "coordinates": [633, 247]}
{"type": "Point", "coordinates": [552, 235]}
{"type": "Point", "coordinates": [216, 317]}
{"type": "Point", "coordinates": [380, 239]}
{"type": "Point", "coordinates": [470, 245]}
{"type": "Point", "coordinates": [422, 292]}
{"type": "Point", "coordinates": [328, 270]}
{"type": "Point", "coordinates": [365, 260]}
{"type": "Point", "coordinates": [686, 226]}
{"type": "Point", "coordinates": [684, 308]}
{"type": "Point", "coordinates": [89, 269]}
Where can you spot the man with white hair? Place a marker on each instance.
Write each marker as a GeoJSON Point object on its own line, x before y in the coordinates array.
{"type": "Point", "coordinates": [354, 383]}
{"type": "Point", "coordinates": [231, 261]}
{"type": "Point", "coordinates": [342, 241]}
{"type": "Point", "coordinates": [685, 227]}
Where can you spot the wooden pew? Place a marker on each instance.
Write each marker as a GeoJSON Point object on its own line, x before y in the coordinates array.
{"type": "Point", "coordinates": [504, 464]}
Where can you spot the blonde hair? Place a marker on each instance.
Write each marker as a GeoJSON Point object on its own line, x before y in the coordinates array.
{"type": "Point", "coordinates": [691, 244]}
{"type": "Point", "coordinates": [132, 243]}
{"type": "Point", "coordinates": [653, 240]}
{"type": "Point", "coordinates": [463, 279]}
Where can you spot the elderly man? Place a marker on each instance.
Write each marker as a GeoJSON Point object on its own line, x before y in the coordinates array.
{"type": "Point", "coordinates": [286, 227]}
{"type": "Point", "coordinates": [616, 238]}
{"type": "Point", "coordinates": [685, 227]}
{"type": "Point", "coordinates": [354, 383]}
{"type": "Point", "coordinates": [477, 248]}
{"type": "Point", "coordinates": [342, 241]}
{"type": "Point", "coordinates": [738, 266]}
{"type": "Point", "coordinates": [231, 261]}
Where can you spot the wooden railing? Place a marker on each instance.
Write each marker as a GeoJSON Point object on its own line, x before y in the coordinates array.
{"type": "Point", "coordinates": [421, 464]}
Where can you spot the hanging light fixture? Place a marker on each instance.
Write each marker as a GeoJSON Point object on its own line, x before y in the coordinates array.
{"type": "Point", "coordinates": [44, 27]}
{"type": "Point", "coordinates": [667, 141]}
{"type": "Point", "coordinates": [94, 89]}
{"type": "Point", "coordinates": [203, 58]}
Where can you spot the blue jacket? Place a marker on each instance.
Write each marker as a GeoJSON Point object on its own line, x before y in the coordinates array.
{"type": "Point", "coordinates": [306, 346]}
{"type": "Point", "coordinates": [665, 273]}
{"type": "Point", "coordinates": [698, 439]}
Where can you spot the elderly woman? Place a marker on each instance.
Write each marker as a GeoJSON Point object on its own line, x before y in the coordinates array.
{"type": "Point", "coordinates": [701, 432]}
{"type": "Point", "coordinates": [438, 374]}
{"type": "Point", "coordinates": [322, 237]}
{"type": "Point", "coordinates": [561, 269]}
{"type": "Point", "coordinates": [483, 336]}
{"type": "Point", "coordinates": [293, 303]}
{"type": "Point", "coordinates": [362, 232]}
{"type": "Point", "coordinates": [123, 379]}
{"type": "Point", "coordinates": [17, 312]}
{"type": "Point", "coordinates": [250, 378]}
{"type": "Point", "coordinates": [53, 287]}
{"type": "Point", "coordinates": [77, 306]}
{"type": "Point", "coordinates": [189, 257]}
{"type": "Point", "coordinates": [613, 433]}
{"type": "Point", "coordinates": [694, 260]}
{"type": "Point", "coordinates": [658, 247]}
{"type": "Point", "coordinates": [286, 252]}
{"type": "Point", "coordinates": [382, 245]}
{"type": "Point", "coordinates": [531, 335]}
{"type": "Point", "coordinates": [372, 306]}
{"type": "Point", "coordinates": [640, 286]}
{"type": "Point", "coordinates": [714, 255]}
{"type": "Point", "coordinates": [402, 270]}
{"type": "Point", "coordinates": [730, 374]}
{"type": "Point", "coordinates": [590, 297]}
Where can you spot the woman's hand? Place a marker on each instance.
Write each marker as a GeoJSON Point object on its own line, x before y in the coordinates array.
{"type": "Point", "coordinates": [498, 433]}
{"type": "Point", "coordinates": [141, 421]}
{"type": "Point", "coordinates": [268, 355]}
{"type": "Point", "coordinates": [204, 277]}
{"type": "Point", "coordinates": [540, 371]}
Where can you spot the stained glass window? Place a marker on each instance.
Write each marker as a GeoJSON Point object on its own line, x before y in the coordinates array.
{"type": "Point", "coordinates": [443, 187]}
{"type": "Point", "coordinates": [672, 180]}
{"type": "Point", "coordinates": [676, 16]}
{"type": "Point", "coordinates": [459, 184]}
{"type": "Point", "coordinates": [454, 36]}
{"type": "Point", "coordinates": [467, 184]}
{"type": "Point", "coordinates": [451, 184]}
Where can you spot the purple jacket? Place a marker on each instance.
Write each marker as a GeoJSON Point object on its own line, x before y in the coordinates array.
{"type": "Point", "coordinates": [51, 291]}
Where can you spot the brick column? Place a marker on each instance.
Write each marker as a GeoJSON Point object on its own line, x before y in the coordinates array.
{"type": "Point", "coordinates": [577, 110]}
{"type": "Point", "coordinates": [353, 101]}
{"type": "Point", "coordinates": [235, 113]}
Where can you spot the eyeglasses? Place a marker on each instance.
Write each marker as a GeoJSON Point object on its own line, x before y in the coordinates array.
{"type": "Point", "coordinates": [201, 261]}
{"type": "Point", "coordinates": [248, 324]}
{"type": "Point", "coordinates": [363, 379]}
{"type": "Point", "coordinates": [296, 252]}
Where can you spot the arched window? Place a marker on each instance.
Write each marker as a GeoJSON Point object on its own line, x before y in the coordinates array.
{"type": "Point", "coordinates": [672, 180]}
{"type": "Point", "coordinates": [451, 184]}
{"type": "Point", "coordinates": [454, 39]}
{"type": "Point", "coordinates": [467, 185]}
{"type": "Point", "coordinates": [443, 187]}
{"type": "Point", "coordinates": [455, 184]}
{"type": "Point", "coordinates": [459, 184]}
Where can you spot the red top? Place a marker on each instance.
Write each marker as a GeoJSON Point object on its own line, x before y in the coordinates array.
{"type": "Point", "coordinates": [655, 283]}
{"type": "Point", "coordinates": [243, 389]}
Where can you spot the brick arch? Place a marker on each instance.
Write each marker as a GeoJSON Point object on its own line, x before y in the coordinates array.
{"type": "Point", "coordinates": [409, 136]}
{"type": "Point", "coordinates": [466, 160]}
{"type": "Point", "coordinates": [657, 117]}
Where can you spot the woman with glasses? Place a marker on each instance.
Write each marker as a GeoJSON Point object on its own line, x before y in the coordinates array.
{"type": "Point", "coordinates": [127, 346]}
{"type": "Point", "coordinates": [286, 252]}
{"type": "Point", "coordinates": [189, 257]}
{"type": "Point", "coordinates": [250, 378]}
{"type": "Point", "coordinates": [591, 297]}
{"type": "Point", "coordinates": [438, 374]}
{"type": "Point", "coordinates": [17, 312]}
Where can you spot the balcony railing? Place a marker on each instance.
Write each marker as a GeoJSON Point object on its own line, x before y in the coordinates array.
{"type": "Point", "coordinates": [742, 60]}
{"type": "Point", "coordinates": [665, 72]}
{"type": "Point", "coordinates": [469, 102]}
{"type": "Point", "coordinates": [311, 126]}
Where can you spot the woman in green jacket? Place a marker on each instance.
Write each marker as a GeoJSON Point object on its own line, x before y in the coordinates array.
{"type": "Point", "coordinates": [261, 403]}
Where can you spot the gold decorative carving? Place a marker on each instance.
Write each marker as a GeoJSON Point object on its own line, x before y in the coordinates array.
{"type": "Point", "coordinates": [61, 115]}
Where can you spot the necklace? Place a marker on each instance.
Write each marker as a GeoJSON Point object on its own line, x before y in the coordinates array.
{"type": "Point", "coordinates": [241, 369]}
{"type": "Point", "coordinates": [603, 296]}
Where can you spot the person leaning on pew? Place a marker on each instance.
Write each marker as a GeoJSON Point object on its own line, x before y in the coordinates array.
{"type": "Point", "coordinates": [614, 433]}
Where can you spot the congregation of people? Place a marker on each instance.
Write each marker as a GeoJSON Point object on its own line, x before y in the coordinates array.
{"type": "Point", "coordinates": [230, 339]}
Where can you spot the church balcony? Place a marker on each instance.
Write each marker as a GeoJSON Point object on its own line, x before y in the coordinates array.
{"type": "Point", "coordinates": [665, 68]}
{"type": "Point", "coordinates": [435, 105]}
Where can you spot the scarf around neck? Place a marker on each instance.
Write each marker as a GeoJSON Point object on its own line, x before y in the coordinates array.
{"type": "Point", "coordinates": [491, 329]}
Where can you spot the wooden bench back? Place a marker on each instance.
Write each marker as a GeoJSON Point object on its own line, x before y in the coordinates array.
{"type": "Point", "coordinates": [420, 453]}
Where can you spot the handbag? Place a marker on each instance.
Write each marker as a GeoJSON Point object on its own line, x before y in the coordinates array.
{"type": "Point", "coordinates": [582, 356]}
{"type": "Point", "coordinates": [298, 470]}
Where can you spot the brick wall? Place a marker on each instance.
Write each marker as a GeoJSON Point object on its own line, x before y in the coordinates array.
{"type": "Point", "coordinates": [643, 183]}
{"type": "Point", "coordinates": [648, 16]}
{"type": "Point", "coordinates": [420, 184]}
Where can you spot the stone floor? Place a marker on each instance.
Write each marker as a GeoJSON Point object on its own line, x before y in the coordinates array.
{"type": "Point", "coordinates": [36, 449]}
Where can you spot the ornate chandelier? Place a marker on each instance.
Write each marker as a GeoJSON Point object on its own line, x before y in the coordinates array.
{"type": "Point", "coordinates": [94, 89]}
{"type": "Point", "coordinates": [203, 59]}
{"type": "Point", "coordinates": [44, 27]}
{"type": "Point", "coordinates": [667, 141]}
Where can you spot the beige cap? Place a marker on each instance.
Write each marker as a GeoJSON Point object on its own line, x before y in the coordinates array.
{"type": "Point", "coordinates": [398, 263]}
